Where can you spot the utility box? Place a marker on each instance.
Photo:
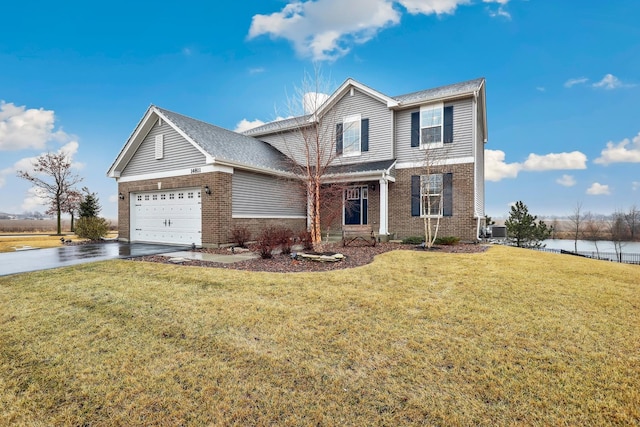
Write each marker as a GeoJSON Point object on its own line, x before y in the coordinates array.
{"type": "Point", "coordinates": [499, 232]}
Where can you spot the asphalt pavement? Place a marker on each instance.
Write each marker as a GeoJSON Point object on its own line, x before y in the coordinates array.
{"type": "Point", "coordinates": [42, 259]}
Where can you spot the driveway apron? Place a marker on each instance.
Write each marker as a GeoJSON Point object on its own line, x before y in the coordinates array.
{"type": "Point", "coordinates": [43, 259]}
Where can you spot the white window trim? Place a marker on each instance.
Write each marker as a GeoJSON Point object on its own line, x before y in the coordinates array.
{"type": "Point", "coordinates": [346, 122]}
{"type": "Point", "coordinates": [423, 206]}
{"type": "Point", "coordinates": [427, 146]}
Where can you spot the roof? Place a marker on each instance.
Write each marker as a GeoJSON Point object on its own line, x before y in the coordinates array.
{"type": "Point", "coordinates": [219, 145]}
{"type": "Point", "coordinates": [449, 91]}
{"type": "Point", "coordinates": [396, 102]}
{"type": "Point", "coordinates": [281, 125]}
{"type": "Point", "coordinates": [373, 169]}
{"type": "Point", "coordinates": [226, 145]}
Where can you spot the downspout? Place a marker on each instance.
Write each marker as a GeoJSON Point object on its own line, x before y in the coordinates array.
{"type": "Point", "coordinates": [475, 159]}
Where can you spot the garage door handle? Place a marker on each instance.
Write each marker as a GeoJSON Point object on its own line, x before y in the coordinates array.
{"type": "Point", "coordinates": [169, 223]}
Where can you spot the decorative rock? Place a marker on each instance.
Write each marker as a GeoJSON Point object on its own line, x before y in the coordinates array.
{"type": "Point", "coordinates": [178, 260]}
{"type": "Point", "coordinates": [320, 257]}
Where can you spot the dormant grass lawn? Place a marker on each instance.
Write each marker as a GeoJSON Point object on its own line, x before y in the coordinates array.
{"type": "Point", "coordinates": [506, 337]}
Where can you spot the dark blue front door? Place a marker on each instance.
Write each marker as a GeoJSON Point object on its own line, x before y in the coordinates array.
{"type": "Point", "coordinates": [356, 206]}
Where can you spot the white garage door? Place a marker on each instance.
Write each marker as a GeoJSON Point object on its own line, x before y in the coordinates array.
{"type": "Point", "coordinates": [168, 216]}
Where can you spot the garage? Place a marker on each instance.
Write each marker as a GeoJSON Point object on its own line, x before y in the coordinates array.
{"type": "Point", "coordinates": [168, 216]}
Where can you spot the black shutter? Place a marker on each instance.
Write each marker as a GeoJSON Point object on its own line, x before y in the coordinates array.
{"type": "Point", "coordinates": [448, 125]}
{"type": "Point", "coordinates": [364, 135]}
{"type": "Point", "coordinates": [415, 195]}
{"type": "Point", "coordinates": [447, 194]}
{"type": "Point", "coordinates": [339, 138]}
{"type": "Point", "coordinates": [415, 129]}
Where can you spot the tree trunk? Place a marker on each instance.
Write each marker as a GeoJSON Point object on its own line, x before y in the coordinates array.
{"type": "Point", "coordinates": [59, 213]}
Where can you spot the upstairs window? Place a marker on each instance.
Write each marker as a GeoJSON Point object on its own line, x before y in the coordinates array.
{"type": "Point", "coordinates": [432, 126]}
{"type": "Point", "coordinates": [352, 136]}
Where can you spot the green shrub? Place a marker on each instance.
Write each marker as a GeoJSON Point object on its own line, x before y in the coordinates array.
{"type": "Point", "coordinates": [92, 228]}
{"type": "Point", "coordinates": [447, 240]}
{"type": "Point", "coordinates": [413, 240]}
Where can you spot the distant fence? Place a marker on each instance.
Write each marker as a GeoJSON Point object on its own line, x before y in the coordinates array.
{"type": "Point", "coordinates": [627, 258]}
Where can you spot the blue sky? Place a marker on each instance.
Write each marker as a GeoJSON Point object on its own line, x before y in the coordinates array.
{"type": "Point", "coordinates": [563, 81]}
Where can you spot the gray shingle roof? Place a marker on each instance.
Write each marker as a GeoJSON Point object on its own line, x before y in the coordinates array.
{"type": "Point", "coordinates": [280, 125]}
{"type": "Point", "coordinates": [408, 99]}
{"type": "Point", "coordinates": [227, 145]}
{"type": "Point", "coordinates": [441, 92]}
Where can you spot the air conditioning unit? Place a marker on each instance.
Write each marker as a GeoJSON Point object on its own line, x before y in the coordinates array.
{"type": "Point", "coordinates": [498, 231]}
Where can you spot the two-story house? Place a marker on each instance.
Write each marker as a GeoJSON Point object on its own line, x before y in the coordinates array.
{"type": "Point", "coordinates": [399, 159]}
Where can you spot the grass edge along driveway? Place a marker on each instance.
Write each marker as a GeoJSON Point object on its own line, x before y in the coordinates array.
{"type": "Point", "coordinates": [504, 337]}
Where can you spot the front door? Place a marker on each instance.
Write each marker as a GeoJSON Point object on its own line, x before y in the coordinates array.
{"type": "Point", "coordinates": [356, 205]}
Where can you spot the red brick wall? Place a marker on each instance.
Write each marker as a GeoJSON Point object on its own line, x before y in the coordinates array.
{"type": "Point", "coordinates": [217, 222]}
{"type": "Point", "coordinates": [462, 224]}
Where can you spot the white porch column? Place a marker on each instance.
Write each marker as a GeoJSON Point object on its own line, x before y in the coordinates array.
{"type": "Point", "coordinates": [384, 207]}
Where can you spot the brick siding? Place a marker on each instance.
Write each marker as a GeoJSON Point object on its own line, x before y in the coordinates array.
{"type": "Point", "coordinates": [217, 222]}
{"type": "Point", "coordinates": [462, 224]}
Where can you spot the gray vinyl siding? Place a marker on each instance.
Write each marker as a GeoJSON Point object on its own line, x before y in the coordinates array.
{"type": "Point", "coordinates": [463, 142]}
{"type": "Point", "coordinates": [380, 126]}
{"type": "Point", "coordinates": [290, 143]}
{"type": "Point", "coordinates": [259, 196]}
{"type": "Point", "coordinates": [178, 154]}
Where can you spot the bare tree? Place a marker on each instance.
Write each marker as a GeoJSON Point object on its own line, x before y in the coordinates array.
{"type": "Point", "coordinates": [53, 180]}
{"type": "Point", "coordinates": [576, 219]}
{"type": "Point", "coordinates": [619, 232]}
{"type": "Point", "coordinates": [593, 230]}
{"type": "Point", "coordinates": [311, 142]}
{"type": "Point", "coordinates": [70, 205]}
{"type": "Point", "coordinates": [432, 194]}
{"type": "Point", "coordinates": [632, 218]}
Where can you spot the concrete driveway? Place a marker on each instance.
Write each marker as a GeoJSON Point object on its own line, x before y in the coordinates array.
{"type": "Point", "coordinates": [43, 259]}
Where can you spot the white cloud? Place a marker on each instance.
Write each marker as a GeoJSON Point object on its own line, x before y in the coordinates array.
{"type": "Point", "coordinates": [555, 161]}
{"type": "Point", "coordinates": [113, 198]}
{"type": "Point", "coordinates": [22, 128]}
{"type": "Point", "coordinates": [635, 185]}
{"type": "Point", "coordinates": [626, 151]}
{"type": "Point", "coordinates": [244, 125]}
{"type": "Point", "coordinates": [257, 70]}
{"type": "Point", "coordinates": [501, 10]}
{"type": "Point", "coordinates": [566, 181]}
{"type": "Point", "coordinates": [34, 201]}
{"type": "Point", "coordinates": [327, 29]}
{"type": "Point", "coordinates": [598, 189]}
{"type": "Point", "coordinates": [496, 169]}
{"type": "Point", "coordinates": [572, 82]}
{"type": "Point", "coordinates": [429, 7]}
{"type": "Point", "coordinates": [609, 81]}
{"type": "Point", "coordinates": [541, 89]}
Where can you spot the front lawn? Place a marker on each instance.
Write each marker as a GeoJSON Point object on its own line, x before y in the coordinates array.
{"type": "Point", "coordinates": [504, 337]}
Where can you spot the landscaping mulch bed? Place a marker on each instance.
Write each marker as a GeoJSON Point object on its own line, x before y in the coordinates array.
{"type": "Point", "coordinates": [355, 256]}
